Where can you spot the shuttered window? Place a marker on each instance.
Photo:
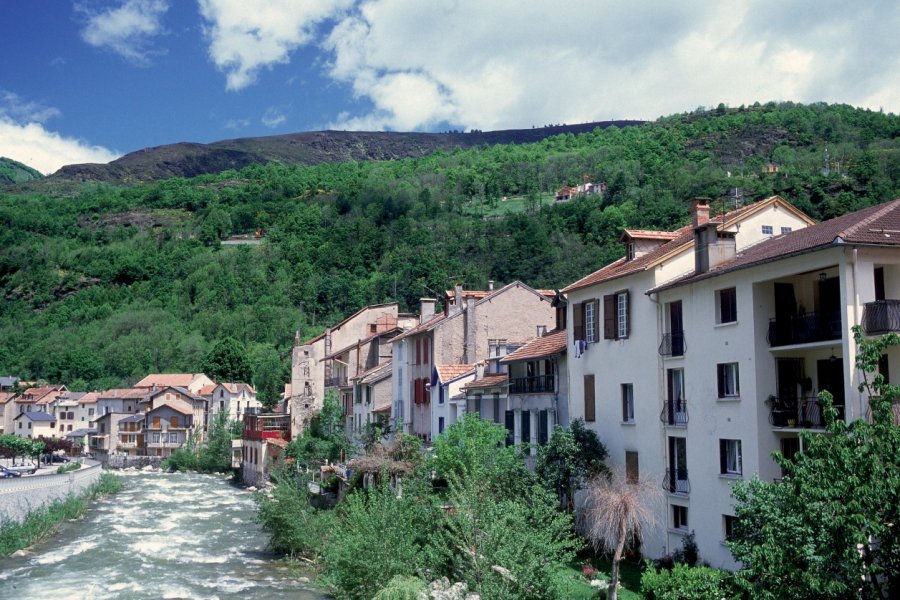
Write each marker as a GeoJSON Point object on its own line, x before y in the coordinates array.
{"type": "Point", "coordinates": [173, 421]}
{"type": "Point", "coordinates": [589, 407]}
{"type": "Point", "coordinates": [616, 319]}
{"type": "Point", "coordinates": [543, 428]}
{"type": "Point", "coordinates": [526, 426]}
{"type": "Point", "coordinates": [609, 317]}
{"type": "Point", "coordinates": [418, 352]}
{"type": "Point", "coordinates": [425, 346]}
{"type": "Point", "coordinates": [578, 319]}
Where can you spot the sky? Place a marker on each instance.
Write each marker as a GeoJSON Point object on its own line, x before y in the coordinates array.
{"type": "Point", "coordinates": [91, 80]}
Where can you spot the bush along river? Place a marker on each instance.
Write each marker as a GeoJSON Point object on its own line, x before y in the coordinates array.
{"type": "Point", "coordinates": [163, 536]}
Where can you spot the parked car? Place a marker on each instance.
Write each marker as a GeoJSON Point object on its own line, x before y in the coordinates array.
{"type": "Point", "coordinates": [54, 458]}
{"type": "Point", "coordinates": [23, 469]}
{"type": "Point", "coordinates": [7, 473]}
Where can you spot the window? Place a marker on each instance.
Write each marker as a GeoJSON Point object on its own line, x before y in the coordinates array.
{"type": "Point", "coordinates": [418, 352]}
{"type": "Point", "coordinates": [786, 230]}
{"type": "Point", "coordinates": [730, 461]}
{"type": "Point", "coordinates": [679, 517]}
{"type": "Point", "coordinates": [173, 421]}
{"type": "Point", "coordinates": [615, 316]}
{"type": "Point", "coordinates": [90, 412]}
{"type": "Point", "coordinates": [543, 427]}
{"type": "Point", "coordinates": [728, 523]}
{"type": "Point", "coordinates": [632, 472]}
{"type": "Point", "coordinates": [729, 382]}
{"type": "Point", "coordinates": [587, 320]}
{"type": "Point", "coordinates": [155, 422]}
{"type": "Point", "coordinates": [590, 321]}
{"type": "Point", "coordinates": [790, 448]}
{"type": "Point", "coordinates": [425, 346]}
{"type": "Point", "coordinates": [173, 438]}
{"type": "Point", "coordinates": [884, 368]}
{"type": "Point", "coordinates": [726, 303]}
{"type": "Point", "coordinates": [589, 408]}
{"type": "Point", "coordinates": [525, 427]}
{"type": "Point", "coordinates": [676, 405]}
{"type": "Point", "coordinates": [627, 403]}
{"type": "Point", "coordinates": [767, 230]}
{"type": "Point", "coordinates": [440, 425]}
{"type": "Point", "coordinates": [156, 438]}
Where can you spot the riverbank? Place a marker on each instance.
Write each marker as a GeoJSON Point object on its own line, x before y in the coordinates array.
{"type": "Point", "coordinates": [43, 522]}
{"type": "Point", "coordinates": [177, 535]}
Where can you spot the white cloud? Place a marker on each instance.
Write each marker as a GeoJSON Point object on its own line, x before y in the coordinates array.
{"type": "Point", "coordinates": [127, 29]}
{"type": "Point", "coordinates": [237, 124]}
{"type": "Point", "coordinates": [24, 138]}
{"type": "Point", "coordinates": [246, 37]}
{"type": "Point", "coordinates": [44, 150]}
{"type": "Point", "coordinates": [273, 117]}
{"type": "Point", "coordinates": [506, 63]}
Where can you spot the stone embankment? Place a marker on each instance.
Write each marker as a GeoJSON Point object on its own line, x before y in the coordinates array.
{"type": "Point", "coordinates": [21, 495]}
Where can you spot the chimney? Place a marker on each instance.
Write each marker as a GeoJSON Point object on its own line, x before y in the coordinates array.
{"type": "Point", "coordinates": [541, 330]}
{"type": "Point", "coordinates": [297, 338]}
{"type": "Point", "coordinates": [426, 309]}
{"type": "Point", "coordinates": [457, 299]}
{"type": "Point", "coordinates": [479, 370]}
{"type": "Point", "coordinates": [490, 285]}
{"type": "Point", "coordinates": [699, 211]}
{"type": "Point", "coordinates": [712, 247]}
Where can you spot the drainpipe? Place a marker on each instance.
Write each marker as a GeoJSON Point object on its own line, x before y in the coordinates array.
{"type": "Point", "coordinates": [853, 262]}
{"type": "Point", "coordinates": [660, 384]}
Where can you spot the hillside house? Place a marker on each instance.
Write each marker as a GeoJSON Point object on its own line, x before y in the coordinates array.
{"type": "Point", "coordinates": [104, 442]}
{"type": "Point", "coordinates": [131, 435]}
{"type": "Point", "coordinates": [371, 394]}
{"type": "Point", "coordinates": [167, 425]}
{"type": "Point", "coordinates": [233, 398]}
{"type": "Point", "coordinates": [196, 403]}
{"type": "Point", "coordinates": [34, 424]}
{"type": "Point", "coordinates": [448, 401]}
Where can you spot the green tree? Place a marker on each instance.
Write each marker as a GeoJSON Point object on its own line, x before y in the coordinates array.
{"type": "Point", "coordinates": [215, 455]}
{"type": "Point", "coordinates": [268, 375]}
{"type": "Point", "coordinates": [215, 227]}
{"type": "Point", "coordinates": [227, 361]}
{"type": "Point", "coordinates": [569, 459]}
{"type": "Point", "coordinates": [325, 438]}
{"type": "Point", "coordinates": [829, 529]}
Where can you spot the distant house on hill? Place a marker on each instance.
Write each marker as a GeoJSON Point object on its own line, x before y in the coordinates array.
{"type": "Point", "coordinates": [566, 193]}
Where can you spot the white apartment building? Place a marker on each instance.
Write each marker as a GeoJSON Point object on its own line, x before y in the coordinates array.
{"type": "Point", "coordinates": [234, 398]}
{"type": "Point", "coordinates": [624, 352]}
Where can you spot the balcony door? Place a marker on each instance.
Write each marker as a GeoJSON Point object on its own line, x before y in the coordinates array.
{"type": "Point", "coordinates": [676, 328]}
{"type": "Point", "coordinates": [678, 475]}
{"type": "Point", "coordinates": [785, 311]}
{"type": "Point", "coordinates": [830, 375]}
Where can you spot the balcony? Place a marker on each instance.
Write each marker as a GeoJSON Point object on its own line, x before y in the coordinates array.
{"type": "Point", "coordinates": [674, 413]}
{"type": "Point", "coordinates": [802, 413]}
{"type": "Point", "coordinates": [881, 316]}
{"type": "Point", "coordinates": [805, 329]}
{"type": "Point", "coordinates": [267, 426]}
{"type": "Point", "coordinates": [532, 385]}
{"type": "Point", "coordinates": [672, 344]}
{"type": "Point", "coordinates": [339, 381]}
{"type": "Point", "coordinates": [676, 482]}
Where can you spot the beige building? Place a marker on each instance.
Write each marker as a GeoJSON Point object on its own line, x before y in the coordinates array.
{"type": "Point", "coordinates": [460, 335]}
{"type": "Point", "coordinates": [34, 424]}
{"type": "Point", "coordinates": [192, 382]}
{"type": "Point", "coordinates": [371, 397]}
{"type": "Point", "coordinates": [312, 373]}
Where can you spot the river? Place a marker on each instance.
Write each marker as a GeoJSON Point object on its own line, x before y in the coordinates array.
{"type": "Point", "coordinates": [163, 536]}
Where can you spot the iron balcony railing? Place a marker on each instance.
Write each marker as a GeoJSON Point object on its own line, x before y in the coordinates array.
{"type": "Point", "coordinates": [672, 344]}
{"type": "Point", "coordinates": [340, 380]}
{"type": "Point", "coordinates": [803, 413]}
{"type": "Point", "coordinates": [676, 482]}
{"type": "Point", "coordinates": [804, 329]}
{"type": "Point", "coordinates": [674, 413]}
{"type": "Point", "coordinates": [881, 316]}
{"type": "Point", "coordinates": [532, 385]}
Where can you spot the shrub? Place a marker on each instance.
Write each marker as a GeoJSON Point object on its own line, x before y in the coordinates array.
{"type": "Point", "coordinates": [295, 527]}
{"type": "Point", "coordinates": [401, 587]}
{"type": "Point", "coordinates": [686, 583]}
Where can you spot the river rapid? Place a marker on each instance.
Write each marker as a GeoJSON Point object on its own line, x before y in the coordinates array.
{"type": "Point", "coordinates": [163, 536]}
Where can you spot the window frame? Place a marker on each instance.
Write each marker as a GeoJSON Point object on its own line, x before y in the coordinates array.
{"type": "Point", "coordinates": [728, 380]}
{"type": "Point", "coordinates": [627, 392]}
{"type": "Point", "coordinates": [590, 322]}
{"type": "Point", "coordinates": [770, 228]}
{"type": "Point", "coordinates": [726, 298]}
{"type": "Point", "coordinates": [785, 230]}
{"type": "Point", "coordinates": [731, 460]}
{"type": "Point", "coordinates": [616, 315]}
{"type": "Point", "coordinates": [680, 517]}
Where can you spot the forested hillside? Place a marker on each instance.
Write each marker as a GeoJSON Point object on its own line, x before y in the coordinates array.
{"type": "Point", "coordinates": [104, 283]}
{"type": "Point", "coordinates": [12, 171]}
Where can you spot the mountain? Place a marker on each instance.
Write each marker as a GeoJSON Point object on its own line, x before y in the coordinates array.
{"type": "Point", "coordinates": [12, 171]}
{"type": "Point", "coordinates": [310, 148]}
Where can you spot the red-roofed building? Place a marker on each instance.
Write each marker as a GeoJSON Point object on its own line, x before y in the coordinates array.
{"type": "Point", "coordinates": [727, 333]}
{"type": "Point", "coordinates": [193, 382]}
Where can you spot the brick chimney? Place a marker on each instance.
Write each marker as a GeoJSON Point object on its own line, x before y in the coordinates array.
{"type": "Point", "coordinates": [699, 211]}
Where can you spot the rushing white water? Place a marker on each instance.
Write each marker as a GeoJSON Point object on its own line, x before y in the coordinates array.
{"type": "Point", "coordinates": [163, 536]}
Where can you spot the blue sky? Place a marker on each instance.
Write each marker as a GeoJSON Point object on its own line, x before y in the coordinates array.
{"type": "Point", "coordinates": [90, 80]}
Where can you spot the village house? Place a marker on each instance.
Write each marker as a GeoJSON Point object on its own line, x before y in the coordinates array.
{"type": "Point", "coordinates": [86, 410]}
{"type": "Point", "coordinates": [38, 398]}
{"type": "Point", "coordinates": [616, 332]}
{"type": "Point", "coordinates": [34, 424]}
{"type": "Point", "coordinates": [192, 382]}
{"type": "Point", "coordinates": [183, 396]}
{"type": "Point", "coordinates": [264, 438]}
{"type": "Point", "coordinates": [448, 401]}
{"type": "Point", "coordinates": [587, 188]}
{"type": "Point", "coordinates": [104, 441]}
{"type": "Point", "coordinates": [233, 398]}
{"type": "Point", "coordinates": [312, 374]}
{"type": "Point", "coordinates": [120, 400]}
{"type": "Point", "coordinates": [66, 408]}
{"type": "Point", "coordinates": [168, 424]}
{"type": "Point", "coordinates": [458, 335]}
{"type": "Point", "coordinates": [131, 435]}
{"type": "Point", "coordinates": [371, 398]}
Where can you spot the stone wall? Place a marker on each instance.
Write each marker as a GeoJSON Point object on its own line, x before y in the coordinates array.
{"type": "Point", "coordinates": [21, 495]}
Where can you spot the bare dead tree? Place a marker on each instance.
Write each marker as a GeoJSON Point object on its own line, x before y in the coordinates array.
{"type": "Point", "coordinates": [617, 511]}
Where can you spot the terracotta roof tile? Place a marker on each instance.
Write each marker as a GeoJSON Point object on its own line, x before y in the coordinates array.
{"type": "Point", "coordinates": [878, 225]}
{"type": "Point", "coordinates": [682, 237]}
{"type": "Point", "coordinates": [487, 381]}
{"type": "Point", "coordinates": [123, 393]}
{"type": "Point", "coordinates": [450, 372]}
{"type": "Point", "coordinates": [548, 345]}
{"type": "Point", "coordinates": [348, 319]}
{"type": "Point", "coordinates": [207, 390]}
{"type": "Point", "coordinates": [422, 328]}
{"type": "Point", "coordinates": [89, 398]}
{"type": "Point", "coordinates": [6, 397]}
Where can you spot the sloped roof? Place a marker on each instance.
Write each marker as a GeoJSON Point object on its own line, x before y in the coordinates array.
{"type": "Point", "coordinates": [176, 405]}
{"type": "Point", "coordinates": [36, 394]}
{"type": "Point", "coordinates": [375, 374]}
{"type": "Point", "coordinates": [348, 319]}
{"type": "Point", "coordinates": [80, 433]}
{"type": "Point", "coordinates": [8, 381]}
{"type": "Point", "coordinates": [207, 390]}
{"type": "Point", "coordinates": [36, 416]}
{"type": "Point", "coordinates": [180, 390]}
{"type": "Point", "coordinates": [447, 373]}
{"type": "Point", "coordinates": [167, 379]}
{"type": "Point", "coordinates": [6, 397]}
{"type": "Point", "coordinates": [422, 327]}
{"type": "Point", "coordinates": [236, 387]}
{"type": "Point", "coordinates": [123, 394]}
{"type": "Point", "coordinates": [646, 234]}
{"type": "Point", "coordinates": [551, 344]}
{"type": "Point", "coordinates": [876, 225]}
{"type": "Point", "coordinates": [135, 418]}
{"type": "Point", "coordinates": [681, 239]}
{"type": "Point", "coordinates": [488, 381]}
{"type": "Point", "coordinates": [89, 398]}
